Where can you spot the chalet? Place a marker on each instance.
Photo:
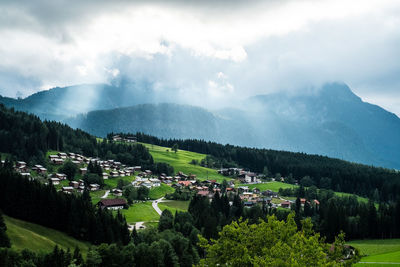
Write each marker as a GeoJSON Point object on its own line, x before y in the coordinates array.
{"type": "Point", "coordinates": [105, 175]}
{"type": "Point", "coordinates": [148, 172]}
{"type": "Point", "coordinates": [51, 157]}
{"type": "Point", "coordinates": [130, 139]}
{"type": "Point", "coordinates": [55, 181]}
{"type": "Point", "coordinates": [76, 162]}
{"type": "Point", "coordinates": [26, 174]}
{"type": "Point", "coordinates": [67, 189]}
{"type": "Point", "coordinates": [94, 187]}
{"type": "Point", "coordinates": [137, 168]}
{"type": "Point", "coordinates": [62, 155]}
{"type": "Point", "coordinates": [116, 138]}
{"type": "Point", "coordinates": [248, 177]}
{"type": "Point", "coordinates": [266, 200]}
{"type": "Point", "coordinates": [269, 193]}
{"type": "Point", "coordinates": [42, 170]}
{"type": "Point", "coordinates": [121, 173]}
{"type": "Point", "coordinates": [256, 190]}
{"type": "Point", "coordinates": [60, 176]}
{"type": "Point", "coordinates": [248, 204]}
{"type": "Point", "coordinates": [21, 164]}
{"type": "Point", "coordinates": [285, 204]}
{"type": "Point", "coordinates": [106, 167]}
{"type": "Point", "coordinates": [114, 174]}
{"type": "Point", "coordinates": [71, 155]}
{"type": "Point", "coordinates": [83, 171]}
{"type": "Point", "coordinates": [243, 189]}
{"type": "Point", "coordinates": [74, 184]}
{"type": "Point", "coordinates": [155, 182]}
{"type": "Point", "coordinates": [205, 193]}
{"type": "Point", "coordinates": [117, 192]}
{"type": "Point", "coordinates": [114, 204]}
{"type": "Point", "coordinates": [185, 183]}
{"type": "Point", "coordinates": [57, 161]}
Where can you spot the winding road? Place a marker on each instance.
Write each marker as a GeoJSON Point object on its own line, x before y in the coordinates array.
{"type": "Point", "coordinates": [155, 205]}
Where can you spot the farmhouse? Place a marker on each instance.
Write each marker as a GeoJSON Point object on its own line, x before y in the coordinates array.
{"type": "Point", "coordinates": [67, 189]}
{"type": "Point", "coordinates": [94, 187]}
{"type": "Point", "coordinates": [114, 204]}
{"type": "Point", "coordinates": [285, 204]}
{"type": "Point", "coordinates": [74, 184]}
{"type": "Point", "coordinates": [55, 181]}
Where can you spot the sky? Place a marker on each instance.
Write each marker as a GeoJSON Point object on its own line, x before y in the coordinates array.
{"type": "Point", "coordinates": [206, 52]}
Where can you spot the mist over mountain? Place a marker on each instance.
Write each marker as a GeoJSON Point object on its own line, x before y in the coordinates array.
{"type": "Point", "coordinates": [330, 121]}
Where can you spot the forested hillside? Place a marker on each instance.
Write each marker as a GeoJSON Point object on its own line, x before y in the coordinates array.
{"type": "Point", "coordinates": [342, 176]}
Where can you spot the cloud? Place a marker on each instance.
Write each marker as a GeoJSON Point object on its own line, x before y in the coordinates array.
{"type": "Point", "coordinates": [181, 46]}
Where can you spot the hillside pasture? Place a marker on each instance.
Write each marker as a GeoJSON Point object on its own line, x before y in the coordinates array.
{"type": "Point", "coordinates": [25, 235]}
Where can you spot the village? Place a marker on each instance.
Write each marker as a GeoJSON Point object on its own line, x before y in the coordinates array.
{"type": "Point", "coordinates": [244, 184]}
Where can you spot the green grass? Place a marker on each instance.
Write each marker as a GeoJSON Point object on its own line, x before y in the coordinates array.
{"type": "Point", "coordinates": [160, 191]}
{"type": "Point", "coordinates": [96, 195]}
{"type": "Point", "coordinates": [140, 212]}
{"type": "Point", "coordinates": [274, 186]}
{"type": "Point", "coordinates": [151, 224]}
{"type": "Point", "coordinates": [174, 205]}
{"type": "Point", "coordinates": [378, 250]}
{"type": "Point", "coordinates": [38, 238]}
{"type": "Point", "coordinates": [181, 162]}
{"type": "Point", "coordinates": [111, 183]}
{"type": "Point", "coordinates": [360, 199]}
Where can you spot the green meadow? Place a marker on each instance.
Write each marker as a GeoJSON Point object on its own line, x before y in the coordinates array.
{"type": "Point", "coordinates": [378, 252]}
{"type": "Point", "coordinates": [174, 205]}
{"type": "Point", "coordinates": [38, 238]}
{"type": "Point", "coordinates": [140, 212]}
{"type": "Point", "coordinates": [181, 162]}
{"type": "Point", "coordinates": [160, 191]}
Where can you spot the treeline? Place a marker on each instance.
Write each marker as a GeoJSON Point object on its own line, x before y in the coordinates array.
{"type": "Point", "coordinates": [344, 176]}
{"type": "Point", "coordinates": [27, 138]}
{"type": "Point", "coordinates": [358, 219]}
{"type": "Point", "coordinates": [70, 213]}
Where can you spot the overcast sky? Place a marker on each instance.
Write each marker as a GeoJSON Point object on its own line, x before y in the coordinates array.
{"type": "Point", "coordinates": [207, 50]}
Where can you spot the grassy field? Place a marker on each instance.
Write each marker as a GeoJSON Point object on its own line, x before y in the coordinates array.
{"type": "Point", "coordinates": [181, 162]}
{"type": "Point", "coordinates": [360, 199]}
{"type": "Point", "coordinates": [174, 205]}
{"type": "Point", "coordinates": [96, 195]}
{"type": "Point", "coordinates": [160, 191]}
{"type": "Point", "coordinates": [140, 212]}
{"type": "Point", "coordinates": [274, 186]}
{"type": "Point", "coordinates": [39, 238]}
{"type": "Point", "coordinates": [378, 251]}
{"type": "Point", "coordinates": [113, 182]}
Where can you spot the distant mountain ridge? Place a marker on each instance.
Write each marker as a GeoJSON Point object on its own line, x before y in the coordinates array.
{"type": "Point", "coordinates": [332, 121]}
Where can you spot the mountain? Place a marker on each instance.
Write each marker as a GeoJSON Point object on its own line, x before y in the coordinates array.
{"type": "Point", "coordinates": [61, 102]}
{"type": "Point", "coordinates": [330, 121]}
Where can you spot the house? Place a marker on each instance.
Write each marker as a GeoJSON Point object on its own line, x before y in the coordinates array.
{"type": "Point", "coordinates": [256, 190]}
{"type": "Point", "coordinates": [185, 183]}
{"type": "Point", "coordinates": [285, 204]}
{"type": "Point", "coordinates": [74, 184]}
{"type": "Point", "coordinates": [55, 181]}
{"type": "Point", "coordinates": [113, 204]}
{"type": "Point", "coordinates": [121, 173]}
{"type": "Point", "coordinates": [94, 187]}
{"type": "Point", "coordinates": [243, 189]}
{"type": "Point", "coordinates": [21, 164]}
{"type": "Point", "coordinates": [105, 175]}
{"type": "Point", "coordinates": [248, 177]}
{"type": "Point", "coordinates": [62, 155]}
{"type": "Point", "coordinates": [57, 161]}
{"type": "Point", "coordinates": [114, 174]}
{"type": "Point", "coordinates": [148, 172]}
{"type": "Point", "coordinates": [117, 192]}
{"type": "Point", "coordinates": [116, 138]}
{"type": "Point", "coordinates": [61, 176]}
{"type": "Point", "coordinates": [71, 155]}
{"type": "Point", "coordinates": [248, 204]}
{"type": "Point", "coordinates": [205, 193]}
{"type": "Point", "coordinates": [42, 170]}
{"type": "Point", "coordinates": [137, 168]}
{"type": "Point", "coordinates": [51, 157]}
{"type": "Point", "coordinates": [303, 201]}
{"type": "Point", "coordinates": [26, 174]}
{"type": "Point", "coordinates": [67, 189]}
{"type": "Point", "coordinates": [83, 171]}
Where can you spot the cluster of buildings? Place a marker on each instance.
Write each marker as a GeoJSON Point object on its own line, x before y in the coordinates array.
{"type": "Point", "coordinates": [119, 138]}
{"type": "Point", "coordinates": [243, 176]}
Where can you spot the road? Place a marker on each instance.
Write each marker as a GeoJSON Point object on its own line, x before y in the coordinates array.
{"type": "Point", "coordinates": [155, 205]}
{"type": "Point", "coordinates": [106, 194]}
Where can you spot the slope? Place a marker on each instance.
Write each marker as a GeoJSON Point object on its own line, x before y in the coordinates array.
{"type": "Point", "coordinates": [38, 238]}
{"type": "Point", "coordinates": [181, 162]}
